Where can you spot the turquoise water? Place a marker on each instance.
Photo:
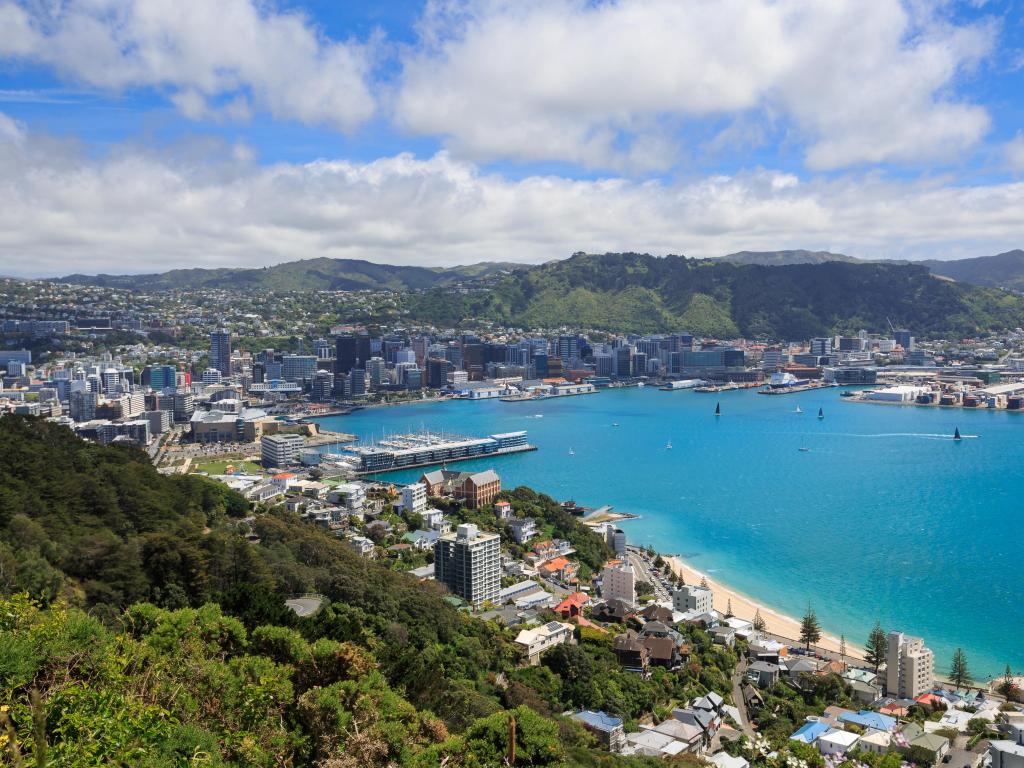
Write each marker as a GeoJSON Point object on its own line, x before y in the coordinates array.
{"type": "Point", "coordinates": [884, 517]}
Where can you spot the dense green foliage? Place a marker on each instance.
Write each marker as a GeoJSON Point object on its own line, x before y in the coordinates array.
{"type": "Point", "coordinates": [319, 274]}
{"type": "Point", "coordinates": [156, 635]}
{"type": "Point", "coordinates": [642, 293]}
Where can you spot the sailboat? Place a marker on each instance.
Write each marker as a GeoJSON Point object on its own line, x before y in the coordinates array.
{"type": "Point", "coordinates": [798, 410]}
{"type": "Point", "coordinates": [956, 434]}
{"type": "Point", "coordinates": [718, 409]}
{"type": "Point", "coordinates": [821, 414]}
{"type": "Point", "coordinates": [572, 452]}
{"type": "Point", "coordinates": [669, 445]}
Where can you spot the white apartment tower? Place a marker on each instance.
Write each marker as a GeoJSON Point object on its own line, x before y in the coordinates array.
{"type": "Point", "coordinates": [469, 564]}
{"type": "Point", "coordinates": [414, 498]}
{"type": "Point", "coordinates": [618, 582]}
{"type": "Point", "coordinates": [910, 666]}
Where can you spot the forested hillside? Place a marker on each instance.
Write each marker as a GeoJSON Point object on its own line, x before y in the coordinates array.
{"type": "Point", "coordinates": [306, 275]}
{"type": "Point", "coordinates": [710, 297]}
{"type": "Point", "coordinates": [148, 631]}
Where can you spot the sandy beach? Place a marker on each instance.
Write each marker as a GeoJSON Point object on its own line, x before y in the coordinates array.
{"type": "Point", "coordinates": [776, 623]}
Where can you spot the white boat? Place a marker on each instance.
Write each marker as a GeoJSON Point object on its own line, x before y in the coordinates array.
{"type": "Point", "coordinates": [615, 423]}
{"type": "Point", "coordinates": [669, 445]}
{"type": "Point", "coordinates": [798, 410]}
{"type": "Point", "coordinates": [572, 452]}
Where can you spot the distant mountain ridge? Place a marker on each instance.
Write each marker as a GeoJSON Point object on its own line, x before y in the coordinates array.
{"type": "Point", "coordinates": [320, 274]}
{"type": "Point", "coordinates": [1004, 270]}
{"type": "Point", "coordinates": [786, 258]}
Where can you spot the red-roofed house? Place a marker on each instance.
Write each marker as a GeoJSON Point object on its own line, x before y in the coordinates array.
{"type": "Point", "coordinates": [573, 605]}
{"type": "Point", "coordinates": [560, 568]}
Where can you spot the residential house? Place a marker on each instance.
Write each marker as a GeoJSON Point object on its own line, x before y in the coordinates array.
{"type": "Point", "coordinates": [725, 760]}
{"type": "Point", "coordinates": [1004, 753]}
{"type": "Point", "coordinates": [763, 674]}
{"type": "Point", "coordinates": [572, 606]}
{"type": "Point", "coordinates": [866, 719]}
{"type": "Point", "coordinates": [689, 735]}
{"type": "Point", "coordinates": [724, 635]}
{"type": "Point", "coordinates": [836, 742]}
{"type": "Point", "coordinates": [631, 651]}
{"type": "Point", "coordinates": [533, 642]}
{"type": "Point", "coordinates": [614, 611]}
{"type": "Point", "coordinates": [362, 545]}
{"type": "Point", "coordinates": [423, 540]}
{"type": "Point", "coordinates": [561, 569]}
{"type": "Point", "coordinates": [523, 529]}
{"type": "Point", "coordinates": [931, 745]}
{"type": "Point", "coordinates": [651, 743]}
{"type": "Point", "coordinates": [810, 732]}
{"type": "Point", "coordinates": [503, 511]}
{"type": "Point", "coordinates": [609, 730]}
{"type": "Point", "coordinates": [879, 742]}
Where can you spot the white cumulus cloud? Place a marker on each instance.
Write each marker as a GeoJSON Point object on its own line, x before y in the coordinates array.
{"type": "Point", "coordinates": [603, 84]}
{"type": "Point", "coordinates": [209, 56]}
{"type": "Point", "coordinates": [66, 210]}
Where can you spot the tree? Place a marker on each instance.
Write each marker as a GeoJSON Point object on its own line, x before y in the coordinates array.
{"type": "Point", "coordinates": [704, 582]}
{"type": "Point", "coordinates": [842, 648]}
{"type": "Point", "coordinates": [1008, 687]}
{"type": "Point", "coordinates": [728, 609]}
{"type": "Point", "coordinates": [759, 622]}
{"type": "Point", "coordinates": [959, 674]}
{"type": "Point", "coordinates": [810, 629]}
{"type": "Point", "coordinates": [876, 646]}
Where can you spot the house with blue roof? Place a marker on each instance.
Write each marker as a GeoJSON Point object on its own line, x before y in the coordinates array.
{"type": "Point", "coordinates": [810, 732]}
{"type": "Point", "coordinates": [609, 729]}
{"type": "Point", "coordinates": [868, 719]}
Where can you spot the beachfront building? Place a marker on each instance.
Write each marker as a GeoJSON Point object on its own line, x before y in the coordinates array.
{"type": "Point", "coordinates": [618, 582]}
{"type": "Point", "coordinates": [468, 562]}
{"type": "Point", "coordinates": [692, 597]}
{"type": "Point", "coordinates": [910, 666]}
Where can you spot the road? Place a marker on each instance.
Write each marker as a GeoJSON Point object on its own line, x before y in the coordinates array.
{"type": "Point", "coordinates": [737, 697]}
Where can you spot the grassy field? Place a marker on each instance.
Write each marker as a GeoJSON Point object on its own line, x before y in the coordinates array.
{"type": "Point", "coordinates": [219, 467]}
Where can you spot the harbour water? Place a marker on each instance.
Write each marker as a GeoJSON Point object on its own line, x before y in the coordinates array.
{"type": "Point", "coordinates": [883, 516]}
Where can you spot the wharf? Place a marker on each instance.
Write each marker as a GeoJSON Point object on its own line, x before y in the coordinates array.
{"type": "Point", "coordinates": [421, 464]}
{"type": "Point", "coordinates": [791, 390]}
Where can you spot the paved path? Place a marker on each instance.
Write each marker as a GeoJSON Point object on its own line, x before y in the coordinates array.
{"type": "Point", "coordinates": [737, 698]}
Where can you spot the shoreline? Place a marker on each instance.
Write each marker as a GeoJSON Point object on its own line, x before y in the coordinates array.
{"type": "Point", "coordinates": [777, 623]}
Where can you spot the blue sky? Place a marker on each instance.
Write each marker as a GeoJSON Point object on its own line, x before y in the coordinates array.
{"type": "Point", "coordinates": [150, 134]}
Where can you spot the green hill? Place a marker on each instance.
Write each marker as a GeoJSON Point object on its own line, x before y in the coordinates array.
{"type": "Point", "coordinates": [630, 292]}
{"type": "Point", "coordinates": [307, 275]}
{"type": "Point", "coordinates": [140, 626]}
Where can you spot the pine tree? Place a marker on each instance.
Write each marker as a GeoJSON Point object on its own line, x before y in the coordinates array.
{"type": "Point", "coordinates": [876, 646]}
{"type": "Point", "coordinates": [810, 629]}
{"type": "Point", "coordinates": [759, 623]}
{"type": "Point", "coordinates": [842, 648]}
{"type": "Point", "coordinates": [704, 582]}
{"type": "Point", "coordinates": [959, 674]}
{"type": "Point", "coordinates": [728, 609]}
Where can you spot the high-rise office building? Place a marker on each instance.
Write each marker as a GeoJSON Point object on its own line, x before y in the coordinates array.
{"type": "Point", "coordinates": [468, 562]}
{"type": "Point", "coordinates": [904, 339]}
{"type": "Point", "coordinates": [344, 353]}
{"type": "Point", "coordinates": [910, 666]}
{"type": "Point", "coordinates": [220, 351]}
